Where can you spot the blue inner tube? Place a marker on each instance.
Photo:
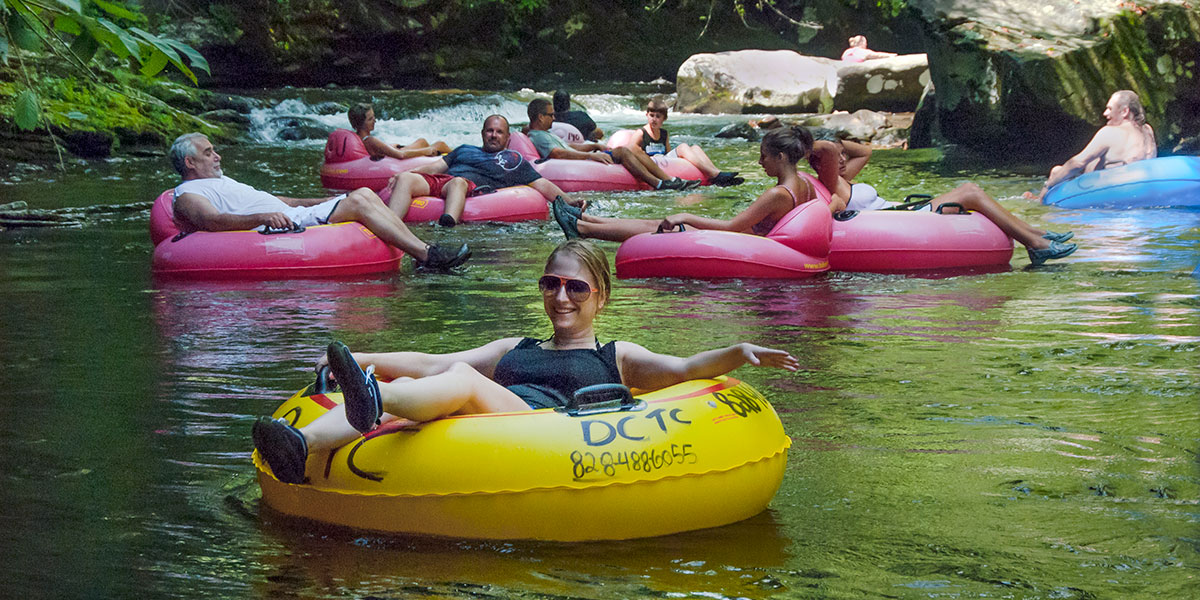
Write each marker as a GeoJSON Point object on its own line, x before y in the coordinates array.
{"type": "Point", "coordinates": [1171, 181]}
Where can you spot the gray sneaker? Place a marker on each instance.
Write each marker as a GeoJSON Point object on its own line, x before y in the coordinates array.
{"type": "Point", "coordinates": [442, 259]}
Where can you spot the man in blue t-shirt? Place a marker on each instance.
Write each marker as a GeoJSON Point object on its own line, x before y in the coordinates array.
{"type": "Point", "coordinates": [467, 169]}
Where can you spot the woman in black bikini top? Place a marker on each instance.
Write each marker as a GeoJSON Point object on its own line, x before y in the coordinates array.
{"type": "Point", "coordinates": [779, 152]}
{"type": "Point", "coordinates": [507, 375]}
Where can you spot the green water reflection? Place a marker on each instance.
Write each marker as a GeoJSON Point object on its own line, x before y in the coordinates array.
{"type": "Point", "coordinates": [1026, 434]}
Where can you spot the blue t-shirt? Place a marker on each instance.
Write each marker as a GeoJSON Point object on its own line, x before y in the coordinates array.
{"type": "Point", "coordinates": [498, 169]}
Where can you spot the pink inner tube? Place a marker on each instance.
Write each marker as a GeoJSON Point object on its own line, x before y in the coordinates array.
{"type": "Point", "coordinates": [589, 175]}
{"type": "Point", "coordinates": [882, 241]}
{"type": "Point", "coordinates": [348, 166]}
{"type": "Point", "coordinates": [797, 247]}
{"type": "Point", "coordinates": [897, 240]}
{"type": "Point", "coordinates": [339, 249]}
{"type": "Point", "coordinates": [510, 204]}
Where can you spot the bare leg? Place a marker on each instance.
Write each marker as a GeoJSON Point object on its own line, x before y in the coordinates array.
{"type": "Point", "coordinates": [550, 191]}
{"type": "Point", "coordinates": [404, 187]}
{"type": "Point", "coordinates": [459, 390]}
{"type": "Point", "coordinates": [972, 198]}
{"type": "Point", "coordinates": [640, 165]}
{"type": "Point", "coordinates": [364, 206]}
{"type": "Point", "coordinates": [455, 192]}
{"type": "Point", "coordinates": [442, 147]}
{"type": "Point", "coordinates": [614, 230]}
{"type": "Point", "coordinates": [696, 156]}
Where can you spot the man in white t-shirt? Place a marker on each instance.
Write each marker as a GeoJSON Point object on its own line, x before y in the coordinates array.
{"type": "Point", "coordinates": [209, 201]}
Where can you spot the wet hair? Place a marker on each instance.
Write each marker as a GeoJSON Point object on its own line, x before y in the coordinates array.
{"type": "Point", "coordinates": [562, 101]}
{"type": "Point", "coordinates": [358, 114]}
{"type": "Point", "coordinates": [593, 259]}
{"type": "Point", "coordinates": [183, 147]}
{"type": "Point", "coordinates": [537, 106]}
{"type": "Point", "coordinates": [1129, 99]}
{"type": "Point", "coordinates": [657, 104]}
{"type": "Point", "coordinates": [795, 142]}
{"type": "Point", "coordinates": [490, 117]}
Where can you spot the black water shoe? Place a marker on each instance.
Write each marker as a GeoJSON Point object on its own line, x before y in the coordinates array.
{"type": "Point", "coordinates": [282, 447]}
{"type": "Point", "coordinates": [360, 390]}
{"type": "Point", "coordinates": [1056, 250]}
{"type": "Point", "coordinates": [565, 219]}
{"type": "Point", "coordinates": [438, 258]}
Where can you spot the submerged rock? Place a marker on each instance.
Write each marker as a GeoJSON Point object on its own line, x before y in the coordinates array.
{"type": "Point", "coordinates": [293, 128]}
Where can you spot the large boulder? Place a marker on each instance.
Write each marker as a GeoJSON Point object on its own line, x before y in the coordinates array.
{"type": "Point", "coordinates": [777, 81]}
{"type": "Point", "coordinates": [892, 84]}
{"type": "Point", "coordinates": [1008, 72]}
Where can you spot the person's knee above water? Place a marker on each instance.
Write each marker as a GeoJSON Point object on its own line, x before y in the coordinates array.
{"type": "Point", "coordinates": [362, 119]}
{"type": "Point", "coordinates": [654, 140]}
{"type": "Point", "coordinates": [836, 162]}
{"type": "Point", "coordinates": [638, 163]}
{"type": "Point", "coordinates": [467, 170]}
{"type": "Point", "coordinates": [779, 152]}
{"type": "Point", "coordinates": [207, 200]}
{"type": "Point", "coordinates": [1125, 138]}
{"type": "Point", "coordinates": [507, 375]}
{"type": "Point", "coordinates": [578, 118]}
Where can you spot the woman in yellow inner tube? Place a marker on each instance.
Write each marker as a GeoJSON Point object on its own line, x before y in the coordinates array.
{"type": "Point", "coordinates": [507, 375]}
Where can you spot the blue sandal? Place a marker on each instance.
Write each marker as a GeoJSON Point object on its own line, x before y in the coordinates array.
{"type": "Point", "coordinates": [360, 390]}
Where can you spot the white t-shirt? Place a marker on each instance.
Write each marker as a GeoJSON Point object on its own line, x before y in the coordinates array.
{"type": "Point", "coordinates": [235, 198]}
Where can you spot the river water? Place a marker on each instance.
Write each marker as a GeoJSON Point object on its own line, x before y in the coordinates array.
{"type": "Point", "coordinates": [1031, 433]}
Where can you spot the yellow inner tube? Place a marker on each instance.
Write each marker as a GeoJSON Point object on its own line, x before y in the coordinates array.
{"type": "Point", "coordinates": [698, 454]}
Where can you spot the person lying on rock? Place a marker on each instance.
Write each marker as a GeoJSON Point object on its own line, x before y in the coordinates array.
{"type": "Point", "coordinates": [207, 200]}
{"type": "Point", "coordinates": [858, 51]}
{"type": "Point", "coordinates": [836, 162]}
{"type": "Point", "coordinates": [638, 163]}
{"type": "Point", "coordinates": [507, 375]}
{"type": "Point", "coordinates": [469, 170]}
{"type": "Point", "coordinates": [779, 152]}
{"type": "Point", "coordinates": [655, 141]}
{"type": "Point", "coordinates": [362, 119]}
{"type": "Point", "coordinates": [1125, 138]}
{"type": "Point", "coordinates": [576, 118]}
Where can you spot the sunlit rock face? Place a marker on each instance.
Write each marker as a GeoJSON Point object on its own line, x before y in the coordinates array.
{"type": "Point", "coordinates": [1007, 72]}
{"type": "Point", "coordinates": [746, 81]}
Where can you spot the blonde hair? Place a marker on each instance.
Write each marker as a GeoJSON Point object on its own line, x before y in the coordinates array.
{"type": "Point", "coordinates": [591, 257]}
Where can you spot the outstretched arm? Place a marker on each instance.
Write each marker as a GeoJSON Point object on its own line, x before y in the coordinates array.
{"type": "Point", "coordinates": [433, 168]}
{"type": "Point", "coordinates": [762, 207]}
{"type": "Point", "coordinates": [1100, 144]}
{"type": "Point", "coordinates": [644, 369]}
{"type": "Point", "coordinates": [378, 147]}
{"type": "Point", "coordinates": [199, 214]}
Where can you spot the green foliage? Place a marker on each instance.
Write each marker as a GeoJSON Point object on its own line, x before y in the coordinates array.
{"type": "Point", "coordinates": [76, 31]}
{"type": "Point", "coordinates": [26, 112]}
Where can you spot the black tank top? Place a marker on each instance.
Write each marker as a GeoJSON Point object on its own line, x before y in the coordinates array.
{"type": "Point", "coordinates": [547, 378]}
{"type": "Point", "coordinates": [653, 146]}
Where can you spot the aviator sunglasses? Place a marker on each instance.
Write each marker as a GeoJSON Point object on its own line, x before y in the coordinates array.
{"type": "Point", "coordinates": [578, 290]}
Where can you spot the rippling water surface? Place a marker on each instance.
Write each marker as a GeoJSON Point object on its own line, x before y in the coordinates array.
{"type": "Point", "coordinates": [1030, 433]}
